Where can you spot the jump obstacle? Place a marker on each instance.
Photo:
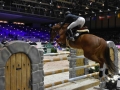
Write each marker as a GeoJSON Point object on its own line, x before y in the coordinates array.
{"type": "Point", "coordinates": [71, 80]}
{"type": "Point", "coordinates": [21, 62]}
{"type": "Point", "coordinates": [72, 70]}
{"type": "Point", "coordinates": [69, 69]}
{"type": "Point", "coordinates": [54, 59]}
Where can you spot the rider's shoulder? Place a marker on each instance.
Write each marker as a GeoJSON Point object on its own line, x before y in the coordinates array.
{"type": "Point", "coordinates": [69, 15]}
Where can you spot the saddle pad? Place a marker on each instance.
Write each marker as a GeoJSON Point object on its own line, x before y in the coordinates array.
{"type": "Point", "coordinates": [78, 33]}
{"type": "Point", "coordinates": [83, 30]}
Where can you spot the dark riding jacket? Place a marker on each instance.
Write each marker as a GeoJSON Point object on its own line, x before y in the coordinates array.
{"type": "Point", "coordinates": [70, 18]}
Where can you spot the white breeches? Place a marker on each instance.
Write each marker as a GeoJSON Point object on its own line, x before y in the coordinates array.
{"type": "Point", "coordinates": [80, 21]}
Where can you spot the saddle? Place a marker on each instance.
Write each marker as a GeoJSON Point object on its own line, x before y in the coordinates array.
{"type": "Point", "coordinates": [78, 33]}
{"type": "Point", "coordinates": [83, 29]}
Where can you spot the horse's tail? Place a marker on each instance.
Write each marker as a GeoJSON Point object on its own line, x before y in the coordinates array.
{"type": "Point", "coordinates": [109, 63]}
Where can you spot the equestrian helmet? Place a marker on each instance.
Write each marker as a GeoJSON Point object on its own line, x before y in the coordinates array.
{"type": "Point", "coordinates": [68, 12]}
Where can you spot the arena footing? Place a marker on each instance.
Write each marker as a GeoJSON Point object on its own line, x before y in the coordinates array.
{"type": "Point", "coordinates": [98, 88]}
{"type": "Point", "coordinates": [82, 84]}
{"type": "Point", "coordinates": [88, 86]}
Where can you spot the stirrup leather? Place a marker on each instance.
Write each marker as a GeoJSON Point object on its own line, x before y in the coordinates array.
{"type": "Point", "coordinates": [69, 31]}
{"type": "Point", "coordinates": [70, 35]}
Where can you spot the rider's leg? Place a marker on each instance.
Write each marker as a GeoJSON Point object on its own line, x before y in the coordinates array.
{"type": "Point", "coordinates": [80, 21]}
{"type": "Point", "coordinates": [70, 34]}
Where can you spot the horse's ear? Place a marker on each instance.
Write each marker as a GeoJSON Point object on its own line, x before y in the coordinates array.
{"type": "Point", "coordinates": [50, 27]}
{"type": "Point", "coordinates": [50, 40]}
{"type": "Point", "coordinates": [61, 23]}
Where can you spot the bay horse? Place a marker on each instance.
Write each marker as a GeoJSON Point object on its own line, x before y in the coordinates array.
{"type": "Point", "coordinates": [95, 48]}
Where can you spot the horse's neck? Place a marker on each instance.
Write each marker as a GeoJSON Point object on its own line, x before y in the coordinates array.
{"type": "Point", "coordinates": [70, 44]}
{"type": "Point", "coordinates": [66, 25]}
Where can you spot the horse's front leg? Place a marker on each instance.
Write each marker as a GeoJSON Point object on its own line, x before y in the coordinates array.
{"type": "Point", "coordinates": [58, 41]}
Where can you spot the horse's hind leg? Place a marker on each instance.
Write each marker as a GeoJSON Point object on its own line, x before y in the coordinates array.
{"type": "Point", "coordinates": [97, 60]}
{"type": "Point", "coordinates": [103, 73]}
{"type": "Point", "coordinates": [101, 70]}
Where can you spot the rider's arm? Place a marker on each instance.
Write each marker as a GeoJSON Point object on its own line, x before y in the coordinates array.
{"type": "Point", "coordinates": [62, 24]}
{"type": "Point", "coordinates": [64, 21]}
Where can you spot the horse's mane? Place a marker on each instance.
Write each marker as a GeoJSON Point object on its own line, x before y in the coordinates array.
{"type": "Point", "coordinates": [56, 26]}
{"type": "Point", "coordinates": [57, 30]}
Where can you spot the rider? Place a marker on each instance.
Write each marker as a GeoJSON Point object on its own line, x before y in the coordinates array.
{"type": "Point", "coordinates": [74, 21]}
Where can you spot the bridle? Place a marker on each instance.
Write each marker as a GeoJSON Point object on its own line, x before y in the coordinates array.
{"type": "Point", "coordinates": [59, 33]}
{"type": "Point", "coordinates": [61, 44]}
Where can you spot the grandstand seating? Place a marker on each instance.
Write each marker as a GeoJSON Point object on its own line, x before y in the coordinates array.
{"type": "Point", "coordinates": [10, 32]}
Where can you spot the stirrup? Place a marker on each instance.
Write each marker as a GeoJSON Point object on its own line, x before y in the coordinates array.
{"type": "Point", "coordinates": [72, 39]}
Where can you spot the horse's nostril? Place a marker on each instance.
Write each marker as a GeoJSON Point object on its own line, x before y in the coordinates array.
{"type": "Point", "coordinates": [50, 40]}
{"type": "Point", "coordinates": [62, 45]}
{"type": "Point", "coordinates": [59, 44]}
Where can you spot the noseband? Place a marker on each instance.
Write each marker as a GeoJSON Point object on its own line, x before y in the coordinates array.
{"type": "Point", "coordinates": [62, 45]}
{"type": "Point", "coordinates": [58, 34]}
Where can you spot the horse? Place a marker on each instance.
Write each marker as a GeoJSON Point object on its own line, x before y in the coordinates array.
{"type": "Point", "coordinates": [95, 48]}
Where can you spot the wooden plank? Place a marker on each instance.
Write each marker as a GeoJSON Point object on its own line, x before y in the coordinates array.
{"type": "Point", "coordinates": [28, 74]}
{"type": "Point", "coordinates": [112, 56]}
{"type": "Point", "coordinates": [7, 75]}
{"type": "Point", "coordinates": [13, 72]}
{"type": "Point", "coordinates": [79, 62]}
{"type": "Point", "coordinates": [18, 70]}
{"type": "Point", "coordinates": [24, 70]}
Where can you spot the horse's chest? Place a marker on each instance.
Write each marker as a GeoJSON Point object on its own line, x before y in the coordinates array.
{"type": "Point", "coordinates": [74, 45]}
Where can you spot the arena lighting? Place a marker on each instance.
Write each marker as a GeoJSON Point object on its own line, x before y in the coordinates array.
{"type": "Point", "coordinates": [86, 13]}
{"type": "Point", "coordinates": [3, 21]}
{"type": "Point", "coordinates": [100, 10]}
{"type": "Point", "coordinates": [90, 3]}
{"type": "Point", "coordinates": [117, 8]}
{"type": "Point", "coordinates": [93, 12]}
{"type": "Point", "coordinates": [58, 6]}
{"type": "Point", "coordinates": [86, 8]}
{"type": "Point", "coordinates": [108, 9]}
{"type": "Point", "coordinates": [61, 12]}
{"type": "Point", "coordinates": [102, 4]}
{"type": "Point", "coordinates": [80, 14]}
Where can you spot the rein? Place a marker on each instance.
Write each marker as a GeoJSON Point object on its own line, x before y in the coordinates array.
{"type": "Point", "coordinates": [61, 33]}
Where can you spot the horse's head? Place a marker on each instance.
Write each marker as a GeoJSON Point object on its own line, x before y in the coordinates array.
{"type": "Point", "coordinates": [56, 30]}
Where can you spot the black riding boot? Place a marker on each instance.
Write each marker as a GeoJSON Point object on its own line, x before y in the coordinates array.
{"type": "Point", "coordinates": [70, 35]}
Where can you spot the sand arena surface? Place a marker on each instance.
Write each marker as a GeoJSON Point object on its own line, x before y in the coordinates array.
{"type": "Point", "coordinates": [51, 66]}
